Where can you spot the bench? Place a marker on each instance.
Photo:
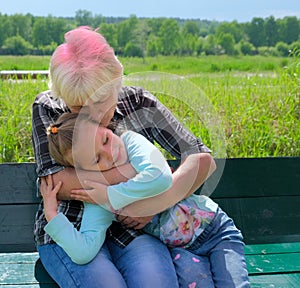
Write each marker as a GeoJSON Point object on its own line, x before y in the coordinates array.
{"type": "Point", "coordinates": [262, 195]}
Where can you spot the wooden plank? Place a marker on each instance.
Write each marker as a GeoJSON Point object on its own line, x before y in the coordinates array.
{"type": "Point", "coordinates": [273, 263]}
{"type": "Point", "coordinates": [18, 183]}
{"type": "Point", "coordinates": [24, 286]}
{"type": "Point", "coordinates": [264, 219]}
{"type": "Point", "coordinates": [275, 281]}
{"type": "Point", "coordinates": [17, 269]}
{"type": "Point", "coordinates": [16, 228]}
{"type": "Point", "coordinates": [253, 177]}
{"type": "Point", "coordinates": [274, 248]}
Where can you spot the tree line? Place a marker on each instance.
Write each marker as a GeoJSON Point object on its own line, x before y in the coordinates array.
{"type": "Point", "coordinates": [140, 37]}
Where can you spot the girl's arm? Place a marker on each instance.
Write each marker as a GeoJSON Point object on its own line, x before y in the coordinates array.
{"type": "Point", "coordinates": [82, 246]}
{"type": "Point", "coordinates": [189, 176]}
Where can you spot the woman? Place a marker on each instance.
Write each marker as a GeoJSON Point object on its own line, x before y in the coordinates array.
{"type": "Point", "coordinates": [86, 76]}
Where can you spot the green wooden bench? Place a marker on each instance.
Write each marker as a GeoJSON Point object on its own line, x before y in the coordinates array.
{"type": "Point", "coordinates": [261, 195]}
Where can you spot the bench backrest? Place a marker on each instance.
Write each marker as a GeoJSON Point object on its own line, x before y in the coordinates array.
{"type": "Point", "coordinates": [262, 195]}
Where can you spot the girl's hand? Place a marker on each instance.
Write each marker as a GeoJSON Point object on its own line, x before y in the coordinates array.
{"type": "Point", "coordinates": [95, 193]}
{"type": "Point", "coordinates": [82, 195]}
{"type": "Point", "coordinates": [49, 196]}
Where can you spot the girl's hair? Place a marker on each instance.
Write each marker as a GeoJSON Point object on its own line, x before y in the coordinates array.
{"type": "Point", "coordinates": [62, 135]}
{"type": "Point", "coordinates": [84, 66]}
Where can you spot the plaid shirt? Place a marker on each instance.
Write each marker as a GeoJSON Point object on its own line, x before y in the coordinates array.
{"type": "Point", "coordinates": [137, 110]}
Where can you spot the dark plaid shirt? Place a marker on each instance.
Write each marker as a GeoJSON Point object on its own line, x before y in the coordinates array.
{"type": "Point", "coordinates": [137, 110]}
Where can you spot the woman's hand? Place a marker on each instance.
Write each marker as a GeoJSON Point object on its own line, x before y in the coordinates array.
{"type": "Point", "coordinates": [134, 222]}
{"type": "Point", "coordinates": [49, 194]}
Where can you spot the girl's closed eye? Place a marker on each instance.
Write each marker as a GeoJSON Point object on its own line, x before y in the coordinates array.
{"type": "Point", "coordinates": [105, 140]}
{"type": "Point", "coordinates": [98, 159]}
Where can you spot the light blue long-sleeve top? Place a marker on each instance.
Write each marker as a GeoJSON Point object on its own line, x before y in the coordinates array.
{"type": "Point", "coordinates": [153, 177]}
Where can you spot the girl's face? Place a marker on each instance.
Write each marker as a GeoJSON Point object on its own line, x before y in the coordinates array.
{"type": "Point", "coordinates": [98, 148]}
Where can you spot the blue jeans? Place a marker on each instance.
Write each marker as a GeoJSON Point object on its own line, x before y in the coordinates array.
{"type": "Point", "coordinates": [145, 262]}
{"type": "Point", "coordinates": [215, 259]}
{"type": "Point", "coordinates": [100, 272]}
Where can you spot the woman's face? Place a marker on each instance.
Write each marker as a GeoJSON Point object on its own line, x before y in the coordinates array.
{"type": "Point", "coordinates": [98, 148]}
{"type": "Point", "coordinates": [100, 111]}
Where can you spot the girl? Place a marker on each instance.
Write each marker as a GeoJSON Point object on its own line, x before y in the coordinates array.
{"type": "Point", "coordinates": [196, 223]}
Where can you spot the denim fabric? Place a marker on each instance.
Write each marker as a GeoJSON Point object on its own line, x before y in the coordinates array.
{"type": "Point", "coordinates": [100, 272]}
{"type": "Point", "coordinates": [144, 263]}
{"type": "Point", "coordinates": [215, 259]}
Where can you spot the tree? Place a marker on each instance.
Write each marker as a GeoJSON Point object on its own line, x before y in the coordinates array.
{"type": "Point", "coordinates": [226, 41]}
{"type": "Point", "coordinates": [211, 46]}
{"type": "Point", "coordinates": [48, 30]}
{"type": "Point", "coordinates": [5, 28]}
{"type": "Point", "coordinates": [17, 45]}
{"type": "Point", "coordinates": [109, 31]}
{"type": "Point", "coordinates": [271, 30]}
{"type": "Point", "coordinates": [154, 24]}
{"type": "Point", "coordinates": [133, 50]}
{"type": "Point", "coordinates": [152, 47]}
{"type": "Point", "coordinates": [291, 29]}
{"type": "Point", "coordinates": [232, 28]}
{"type": "Point", "coordinates": [21, 25]}
{"type": "Point", "coordinates": [188, 45]}
{"type": "Point", "coordinates": [125, 32]}
{"type": "Point", "coordinates": [84, 18]}
{"type": "Point", "coordinates": [169, 37]}
{"type": "Point", "coordinates": [191, 27]}
{"type": "Point", "coordinates": [283, 48]}
{"type": "Point", "coordinates": [256, 32]}
{"type": "Point", "coordinates": [247, 48]}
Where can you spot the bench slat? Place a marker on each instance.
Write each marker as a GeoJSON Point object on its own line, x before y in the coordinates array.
{"type": "Point", "coordinates": [27, 286]}
{"type": "Point", "coordinates": [16, 223]}
{"type": "Point", "coordinates": [17, 269]}
{"type": "Point", "coordinates": [264, 219]}
{"type": "Point", "coordinates": [274, 248]}
{"type": "Point", "coordinates": [275, 281]}
{"type": "Point", "coordinates": [273, 263]}
{"type": "Point", "coordinates": [18, 183]}
{"type": "Point", "coordinates": [255, 177]}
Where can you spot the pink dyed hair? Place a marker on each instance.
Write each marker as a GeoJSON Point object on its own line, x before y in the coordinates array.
{"type": "Point", "coordinates": [81, 66]}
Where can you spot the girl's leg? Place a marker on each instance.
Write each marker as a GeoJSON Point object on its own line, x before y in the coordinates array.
{"type": "Point", "coordinates": [145, 262]}
{"type": "Point", "coordinates": [223, 243]}
{"type": "Point", "coordinates": [100, 272]}
{"type": "Point", "coordinates": [192, 270]}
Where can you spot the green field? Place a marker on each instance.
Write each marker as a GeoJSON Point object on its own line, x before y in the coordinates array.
{"type": "Point", "coordinates": [241, 107]}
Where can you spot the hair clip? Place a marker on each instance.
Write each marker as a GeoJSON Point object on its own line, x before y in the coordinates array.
{"type": "Point", "coordinates": [53, 130]}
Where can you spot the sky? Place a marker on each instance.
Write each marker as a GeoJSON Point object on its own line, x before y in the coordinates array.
{"type": "Point", "coordinates": [219, 10]}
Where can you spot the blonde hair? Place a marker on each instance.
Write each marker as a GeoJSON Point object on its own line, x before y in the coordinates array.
{"type": "Point", "coordinates": [84, 66]}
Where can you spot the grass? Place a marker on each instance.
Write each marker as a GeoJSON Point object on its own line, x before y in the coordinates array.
{"type": "Point", "coordinates": [249, 110]}
{"type": "Point", "coordinates": [172, 64]}
{"type": "Point", "coordinates": [15, 119]}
